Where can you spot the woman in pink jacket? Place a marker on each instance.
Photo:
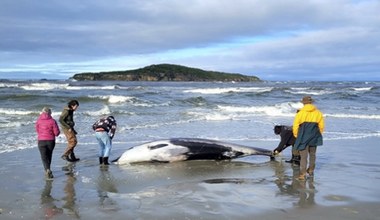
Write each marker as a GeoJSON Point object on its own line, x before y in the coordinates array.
{"type": "Point", "coordinates": [47, 129]}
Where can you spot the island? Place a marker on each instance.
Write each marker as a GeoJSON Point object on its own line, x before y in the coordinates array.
{"type": "Point", "coordinates": [165, 72]}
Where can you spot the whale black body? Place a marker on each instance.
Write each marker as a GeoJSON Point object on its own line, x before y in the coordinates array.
{"type": "Point", "coordinates": [181, 149]}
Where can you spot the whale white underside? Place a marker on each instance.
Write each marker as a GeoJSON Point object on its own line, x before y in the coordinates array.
{"type": "Point", "coordinates": [181, 149]}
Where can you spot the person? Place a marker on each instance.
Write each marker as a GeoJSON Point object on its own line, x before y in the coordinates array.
{"type": "Point", "coordinates": [67, 124]}
{"type": "Point", "coordinates": [287, 139]}
{"type": "Point", "coordinates": [308, 127]}
{"type": "Point", "coordinates": [104, 132]}
{"type": "Point", "coordinates": [47, 129]}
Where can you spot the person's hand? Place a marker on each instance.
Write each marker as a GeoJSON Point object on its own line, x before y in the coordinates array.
{"type": "Point", "coordinates": [72, 130]}
{"type": "Point", "coordinates": [276, 152]}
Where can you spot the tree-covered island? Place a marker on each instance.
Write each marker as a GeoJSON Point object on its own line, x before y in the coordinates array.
{"type": "Point", "coordinates": [165, 72]}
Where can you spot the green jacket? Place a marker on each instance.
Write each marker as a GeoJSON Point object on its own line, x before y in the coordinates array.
{"type": "Point", "coordinates": [308, 135]}
{"type": "Point", "coordinates": [67, 119]}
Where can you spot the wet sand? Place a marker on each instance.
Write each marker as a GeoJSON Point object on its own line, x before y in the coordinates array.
{"type": "Point", "coordinates": [345, 186]}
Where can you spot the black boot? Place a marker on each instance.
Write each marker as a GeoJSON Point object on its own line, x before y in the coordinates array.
{"type": "Point", "coordinates": [296, 160]}
{"type": "Point", "coordinates": [100, 160]}
{"type": "Point", "coordinates": [291, 160]}
{"type": "Point", "coordinates": [67, 158]}
{"type": "Point", "coordinates": [73, 158]}
{"type": "Point", "coordinates": [105, 161]}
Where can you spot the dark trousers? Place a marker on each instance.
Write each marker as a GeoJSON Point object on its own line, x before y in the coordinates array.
{"type": "Point", "coordinates": [46, 150]}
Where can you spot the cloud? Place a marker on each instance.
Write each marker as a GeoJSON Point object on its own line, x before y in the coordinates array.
{"type": "Point", "coordinates": [287, 40]}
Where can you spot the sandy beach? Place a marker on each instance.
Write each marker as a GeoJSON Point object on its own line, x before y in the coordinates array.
{"type": "Point", "coordinates": [345, 186]}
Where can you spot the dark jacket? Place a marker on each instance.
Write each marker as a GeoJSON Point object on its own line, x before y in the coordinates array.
{"type": "Point", "coordinates": [287, 138]}
{"type": "Point", "coordinates": [67, 119]}
{"type": "Point", "coordinates": [308, 135]}
{"type": "Point", "coordinates": [108, 124]}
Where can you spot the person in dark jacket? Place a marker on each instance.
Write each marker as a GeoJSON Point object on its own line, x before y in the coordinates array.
{"type": "Point", "coordinates": [47, 129]}
{"type": "Point", "coordinates": [308, 127]}
{"type": "Point", "coordinates": [105, 129]}
{"type": "Point", "coordinates": [287, 139]}
{"type": "Point", "coordinates": [67, 124]}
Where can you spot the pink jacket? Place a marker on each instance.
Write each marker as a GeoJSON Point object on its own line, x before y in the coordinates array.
{"type": "Point", "coordinates": [46, 127]}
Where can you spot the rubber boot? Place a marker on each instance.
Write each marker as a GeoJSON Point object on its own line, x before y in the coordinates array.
{"type": "Point", "coordinates": [100, 160]}
{"type": "Point", "coordinates": [72, 157]}
{"type": "Point", "coordinates": [297, 160]}
{"type": "Point", "coordinates": [105, 161]}
{"type": "Point", "coordinates": [291, 160]}
{"type": "Point", "coordinates": [67, 158]}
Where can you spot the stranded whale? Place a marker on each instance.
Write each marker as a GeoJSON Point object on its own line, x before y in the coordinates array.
{"type": "Point", "coordinates": [180, 149]}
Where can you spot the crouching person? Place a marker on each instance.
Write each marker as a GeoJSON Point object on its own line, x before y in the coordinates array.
{"type": "Point", "coordinates": [287, 139]}
{"type": "Point", "coordinates": [105, 129]}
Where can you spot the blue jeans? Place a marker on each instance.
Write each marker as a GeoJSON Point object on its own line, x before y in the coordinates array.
{"type": "Point", "coordinates": [105, 143]}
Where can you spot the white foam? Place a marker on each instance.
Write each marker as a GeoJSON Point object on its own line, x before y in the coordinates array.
{"type": "Point", "coordinates": [112, 87]}
{"type": "Point", "coordinates": [104, 111]}
{"type": "Point", "coordinates": [364, 89]}
{"type": "Point", "coordinates": [230, 90]}
{"type": "Point", "coordinates": [283, 110]}
{"type": "Point", "coordinates": [44, 86]}
{"type": "Point", "coordinates": [377, 117]}
{"type": "Point", "coordinates": [15, 112]}
{"type": "Point", "coordinates": [308, 91]}
{"type": "Point", "coordinates": [348, 136]}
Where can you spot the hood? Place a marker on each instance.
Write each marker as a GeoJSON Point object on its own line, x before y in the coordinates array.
{"type": "Point", "coordinates": [309, 108]}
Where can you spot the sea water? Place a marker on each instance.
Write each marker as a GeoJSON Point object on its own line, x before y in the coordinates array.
{"type": "Point", "coordinates": [244, 113]}
{"type": "Point", "coordinates": [235, 112]}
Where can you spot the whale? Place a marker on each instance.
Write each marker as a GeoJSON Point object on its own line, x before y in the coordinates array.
{"type": "Point", "coordinates": [182, 149]}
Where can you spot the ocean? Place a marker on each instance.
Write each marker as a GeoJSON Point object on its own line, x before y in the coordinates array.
{"type": "Point", "coordinates": [146, 111]}
{"type": "Point", "coordinates": [345, 185]}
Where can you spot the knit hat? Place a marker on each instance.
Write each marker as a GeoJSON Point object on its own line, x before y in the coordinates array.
{"type": "Point", "coordinates": [307, 100]}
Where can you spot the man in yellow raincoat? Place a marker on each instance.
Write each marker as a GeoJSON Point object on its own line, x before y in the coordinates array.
{"type": "Point", "coordinates": [308, 127]}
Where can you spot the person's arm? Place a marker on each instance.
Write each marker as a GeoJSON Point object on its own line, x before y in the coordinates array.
{"type": "Point", "coordinates": [296, 124]}
{"type": "Point", "coordinates": [113, 129]}
{"type": "Point", "coordinates": [321, 123]}
{"type": "Point", "coordinates": [56, 130]}
{"type": "Point", "coordinates": [282, 145]}
{"type": "Point", "coordinates": [95, 125]}
{"type": "Point", "coordinates": [286, 135]}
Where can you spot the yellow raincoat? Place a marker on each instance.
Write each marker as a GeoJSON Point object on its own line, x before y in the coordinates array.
{"type": "Point", "coordinates": [309, 113]}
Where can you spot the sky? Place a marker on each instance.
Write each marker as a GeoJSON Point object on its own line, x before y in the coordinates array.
{"type": "Point", "coordinates": [311, 40]}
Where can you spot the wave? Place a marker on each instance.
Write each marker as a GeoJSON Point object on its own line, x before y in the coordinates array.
{"type": "Point", "coordinates": [44, 86]}
{"type": "Point", "coordinates": [363, 89]}
{"type": "Point", "coordinates": [377, 117]}
{"type": "Point", "coordinates": [12, 124]}
{"type": "Point", "coordinates": [215, 91]}
{"type": "Point", "coordinates": [111, 87]}
{"type": "Point", "coordinates": [4, 111]}
{"type": "Point", "coordinates": [309, 91]}
{"type": "Point", "coordinates": [104, 111]}
{"type": "Point", "coordinates": [287, 109]}
{"type": "Point", "coordinates": [114, 98]}
{"type": "Point", "coordinates": [348, 136]}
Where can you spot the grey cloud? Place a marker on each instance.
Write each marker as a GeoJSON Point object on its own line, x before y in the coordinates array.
{"type": "Point", "coordinates": [80, 31]}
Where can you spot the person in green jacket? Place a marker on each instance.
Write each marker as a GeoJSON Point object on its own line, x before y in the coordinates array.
{"type": "Point", "coordinates": [308, 127]}
{"type": "Point", "coordinates": [67, 124]}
